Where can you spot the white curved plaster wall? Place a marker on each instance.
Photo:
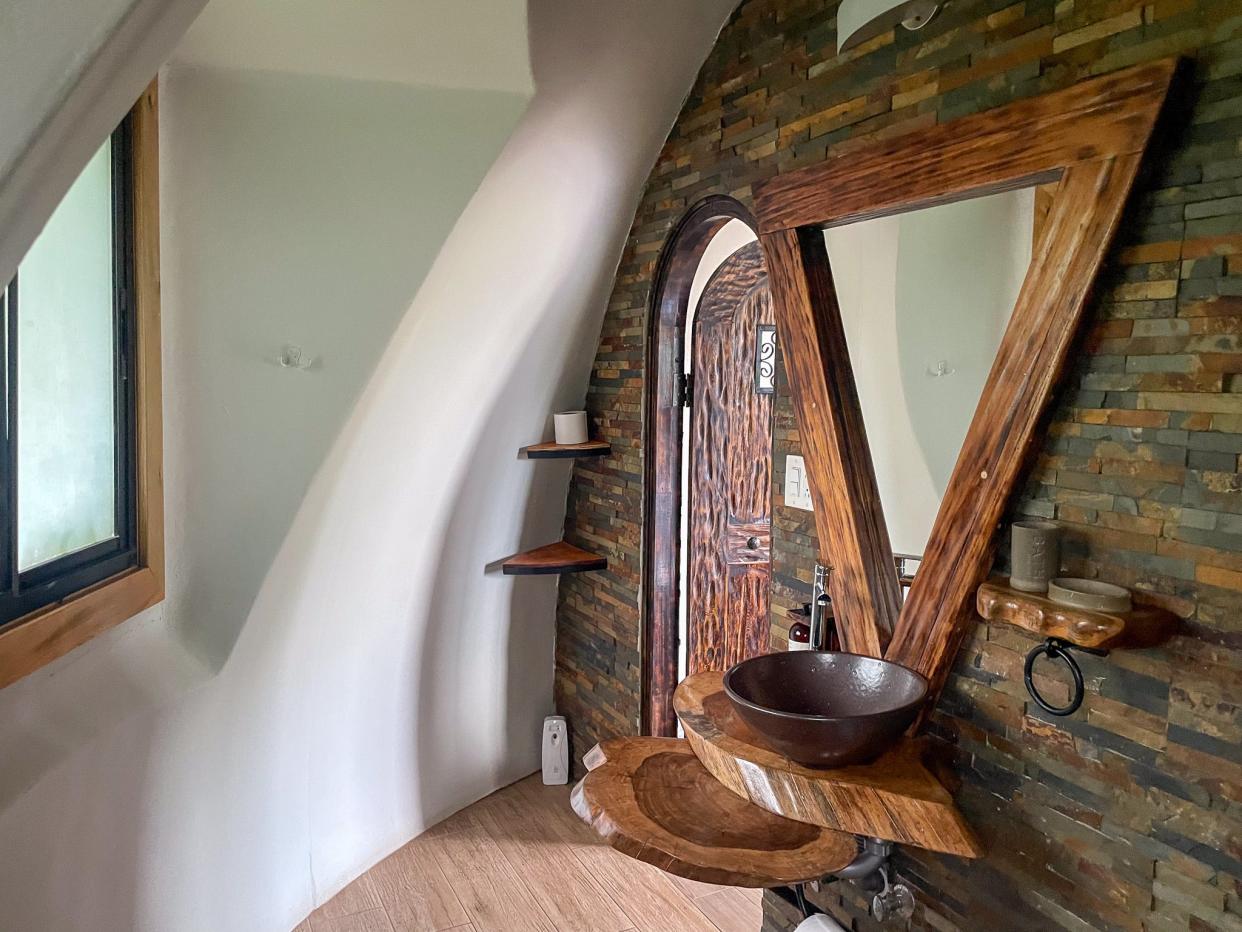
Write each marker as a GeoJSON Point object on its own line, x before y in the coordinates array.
{"type": "Point", "coordinates": [300, 211]}
{"type": "Point", "coordinates": [445, 43]}
{"type": "Point", "coordinates": [381, 679]}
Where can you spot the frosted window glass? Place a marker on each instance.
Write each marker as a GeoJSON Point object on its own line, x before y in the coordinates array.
{"type": "Point", "coordinates": [66, 473]}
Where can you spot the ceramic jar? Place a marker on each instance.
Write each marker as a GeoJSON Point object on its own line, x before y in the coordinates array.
{"type": "Point", "coordinates": [1035, 555]}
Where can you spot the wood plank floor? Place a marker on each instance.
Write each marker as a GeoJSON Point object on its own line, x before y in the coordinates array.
{"type": "Point", "coordinates": [520, 860]}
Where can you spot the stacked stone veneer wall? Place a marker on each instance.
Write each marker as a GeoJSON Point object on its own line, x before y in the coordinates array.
{"type": "Point", "coordinates": [1128, 815]}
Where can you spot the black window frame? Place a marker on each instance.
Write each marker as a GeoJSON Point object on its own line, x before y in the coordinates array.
{"type": "Point", "coordinates": [47, 584]}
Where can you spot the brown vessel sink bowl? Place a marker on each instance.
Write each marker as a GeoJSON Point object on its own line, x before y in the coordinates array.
{"type": "Point", "coordinates": [826, 708]}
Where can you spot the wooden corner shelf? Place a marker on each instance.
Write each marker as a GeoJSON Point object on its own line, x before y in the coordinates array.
{"type": "Point", "coordinates": [652, 799]}
{"type": "Point", "coordinates": [1143, 626]}
{"type": "Point", "coordinates": [552, 559]}
{"type": "Point", "coordinates": [895, 798]}
{"type": "Point", "coordinates": [563, 451]}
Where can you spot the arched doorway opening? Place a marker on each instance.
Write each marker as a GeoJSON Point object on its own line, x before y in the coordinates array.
{"type": "Point", "coordinates": [701, 254]}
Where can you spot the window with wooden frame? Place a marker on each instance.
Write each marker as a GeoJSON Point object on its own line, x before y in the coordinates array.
{"type": "Point", "coordinates": [81, 519]}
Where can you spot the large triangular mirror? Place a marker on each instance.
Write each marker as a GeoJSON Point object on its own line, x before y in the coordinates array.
{"type": "Point", "coordinates": [927, 289]}
{"type": "Point", "coordinates": [925, 297]}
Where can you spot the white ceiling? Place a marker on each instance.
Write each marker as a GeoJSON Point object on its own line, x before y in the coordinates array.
{"type": "Point", "coordinates": [474, 44]}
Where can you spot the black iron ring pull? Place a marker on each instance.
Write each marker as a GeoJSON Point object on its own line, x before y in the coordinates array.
{"type": "Point", "coordinates": [1056, 649]}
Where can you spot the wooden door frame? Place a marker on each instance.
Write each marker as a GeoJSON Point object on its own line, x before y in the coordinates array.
{"type": "Point", "coordinates": [662, 442]}
{"type": "Point", "coordinates": [1089, 140]}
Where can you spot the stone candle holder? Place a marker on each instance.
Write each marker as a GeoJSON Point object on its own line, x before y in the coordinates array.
{"type": "Point", "coordinates": [1035, 555]}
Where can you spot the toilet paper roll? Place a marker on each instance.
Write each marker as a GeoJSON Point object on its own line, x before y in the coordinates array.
{"type": "Point", "coordinates": [570, 426]}
{"type": "Point", "coordinates": [820, 922]}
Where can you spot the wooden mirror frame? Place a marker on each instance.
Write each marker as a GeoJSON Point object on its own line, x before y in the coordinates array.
{"type": "Point", "coordinates": [1087, 143]}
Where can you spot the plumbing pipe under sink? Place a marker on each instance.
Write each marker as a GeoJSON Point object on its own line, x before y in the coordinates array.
{"type": "Point", "coordinates": [870, 872]}
{"type": "Point", "coordinates": [874, 855]}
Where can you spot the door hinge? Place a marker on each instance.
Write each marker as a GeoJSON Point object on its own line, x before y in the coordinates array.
{"type": "Point", "coordinates": [685, 390]}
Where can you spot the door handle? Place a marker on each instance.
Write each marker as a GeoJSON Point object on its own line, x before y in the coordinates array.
{"type": "Point", "coordinates": [752, 543]}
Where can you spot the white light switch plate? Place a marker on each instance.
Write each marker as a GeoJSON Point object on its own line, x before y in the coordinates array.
{"type": "Point", "coordinates": [797, 489]}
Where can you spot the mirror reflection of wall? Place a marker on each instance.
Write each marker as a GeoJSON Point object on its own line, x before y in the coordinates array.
{"type": "Point", "coordinates": [925, 298]}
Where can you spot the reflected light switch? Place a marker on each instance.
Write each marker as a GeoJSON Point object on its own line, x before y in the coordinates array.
{"type": "Point", "coordinates": [797, 488]}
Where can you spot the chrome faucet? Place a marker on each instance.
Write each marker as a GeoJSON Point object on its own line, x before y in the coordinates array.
{"type": "Point", "coordinates": [819, 601]}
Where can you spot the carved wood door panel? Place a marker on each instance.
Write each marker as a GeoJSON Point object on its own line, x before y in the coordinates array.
{"type": "Point", "coordinates": [730, 520]}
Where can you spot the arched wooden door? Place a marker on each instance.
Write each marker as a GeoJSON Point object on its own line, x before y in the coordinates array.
{"type": "Point", "coordinates": [730, 476]}
{"type": "Point", "coordinates": [663, 581]}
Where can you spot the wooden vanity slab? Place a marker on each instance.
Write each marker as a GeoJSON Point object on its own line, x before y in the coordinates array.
{"type": "Point", "coordinates": [1143, 626]}
{"type": "Point", "coordinates": [895, 798]}
{"type": "Point", "coordinates": [651, 799]}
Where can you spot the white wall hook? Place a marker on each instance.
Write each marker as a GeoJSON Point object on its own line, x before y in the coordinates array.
{"type": "Point", "coordinates": [294, 357]}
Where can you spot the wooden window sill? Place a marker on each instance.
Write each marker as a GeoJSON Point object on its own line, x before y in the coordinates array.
{"type": "Point", "coordinates": [36, 640]}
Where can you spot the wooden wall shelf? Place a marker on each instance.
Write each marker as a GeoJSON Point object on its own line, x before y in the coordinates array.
{"type": "Point", "coordinates": [651, 799]}
{"type": "Point", "coordinates": [563, 451]}
{"type": "Point", "coordinates": [1144, 626]}
{"type": "Point", "coordinates": [552, 559]}
{"type": "Point", "coordinates": [895, 798]}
